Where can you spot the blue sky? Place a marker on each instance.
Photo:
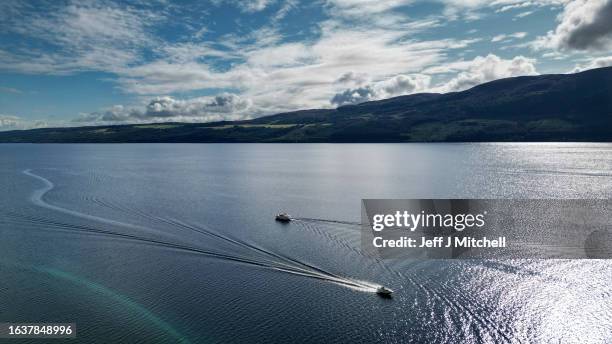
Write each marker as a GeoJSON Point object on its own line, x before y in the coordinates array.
{"type": "Point", "coordinates": [65, 63]}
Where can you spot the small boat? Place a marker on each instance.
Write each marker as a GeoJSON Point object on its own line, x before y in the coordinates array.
{"type": "Point", "coordinates": [283, 217]}
{"type": "Point", "coordinates": [382, 291]}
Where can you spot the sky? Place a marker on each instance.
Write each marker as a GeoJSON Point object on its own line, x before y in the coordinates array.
{"type": "Point", "coordinates": [95, 62]}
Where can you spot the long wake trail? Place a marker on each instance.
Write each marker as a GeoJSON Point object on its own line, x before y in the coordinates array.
{"type": "Point", "coordinates": [271, 260]}
{"type": "Point", "coordinates": [312, 219]}
{"type": "Point", "coordinates": [272, 256]}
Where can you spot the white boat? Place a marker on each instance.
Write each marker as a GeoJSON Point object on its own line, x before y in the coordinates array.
{"type": "Point", "coordinates": [382, 291]}
{"type": "Point", "coordinates": [283, 217]}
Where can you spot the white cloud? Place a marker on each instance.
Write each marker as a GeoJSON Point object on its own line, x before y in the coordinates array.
{"type": "Point", "coordinates": [224, 106]}
{"type": "Point", "coordinates": [523, 14]}
{"type": "Point", "coordinates": [10, 90]}
{"type": "Point", "coordinates": [484, 69]}
{"type": "Point", "coordinates": [8, 122]}
{"type": "Point", "coordinates": [395, 86]}
{"type": "Point", "coordinates": [88, 35]}
{"type": "Point", "coordinates": [467, 74]}
{"type": "Point", "coordinates": [226, 103]}
{"type": "Point", "coordinates": [514, 6]}
{"type": "Point", "coordinates": [283, 11]}
{"type": "Point", "coordinates": [353, 78]}
{"type": "Point", "coordinates": [468, 9]}
{"type": "Point", "coordinates": [584, 25]}
{"type": "Point", "coordinates": [501, 5]}
{"type": "Point", "coordinates": [293, 75]}
{"type": "Point", "coordinates": [362, 7]}
{"type": "Point", "coordinates": [595, 63]}
{"type": "Point", "coordinates": [248, 6]}
{"type": "Point", "coordinates": [375, 14]}
{"type": "Point", "coordinates": [256, 5]}
{"type": "Point", "coordinates": [188, 51]}
{"type": "Point", "coordinates": [508, 37]}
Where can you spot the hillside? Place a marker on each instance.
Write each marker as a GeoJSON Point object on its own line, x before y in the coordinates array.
{"type": "Point", "coordinates": [564, 107]}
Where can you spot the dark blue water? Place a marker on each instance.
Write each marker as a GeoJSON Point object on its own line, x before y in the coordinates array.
{"type": "Point", "coordinates": [177, 243]}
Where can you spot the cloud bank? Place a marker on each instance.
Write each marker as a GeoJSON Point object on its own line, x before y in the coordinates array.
{"type": "Point", "coordinates": [584, 25]}
{"type": "Point", "coordinates": [163, 109]}
{"type": "Point", "coordinates": [488, 68]}
{"type": "Point", "coordinates": [392, 87]}
{"type": "Point", "coordinates": [8, 122]}
{"type": "Point", "coordinates": [595, 63]}
{"type": "Point", "coordinates": [468, 74]}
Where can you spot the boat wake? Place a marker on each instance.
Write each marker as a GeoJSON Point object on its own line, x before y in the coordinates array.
{"type": "Point", "coordinates": [260, 257]}
{"type": "Point", "coordinates": [311, 219]}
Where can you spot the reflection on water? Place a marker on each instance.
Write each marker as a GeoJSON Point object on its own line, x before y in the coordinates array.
{"type": "Point", "coordinates": [157, 243]}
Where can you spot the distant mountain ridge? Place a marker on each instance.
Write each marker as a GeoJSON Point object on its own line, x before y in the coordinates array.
{"type": "Point", "coordinates": [554, 107]}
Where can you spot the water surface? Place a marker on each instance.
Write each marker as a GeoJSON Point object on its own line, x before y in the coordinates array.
{"type": "Point", "coordinates": [177, 242]}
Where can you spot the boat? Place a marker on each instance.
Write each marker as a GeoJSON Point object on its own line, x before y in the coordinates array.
{"type": "Point", "coordinates": [385, 292]}
{"type": "Point", "coordinates": [283, 217]}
